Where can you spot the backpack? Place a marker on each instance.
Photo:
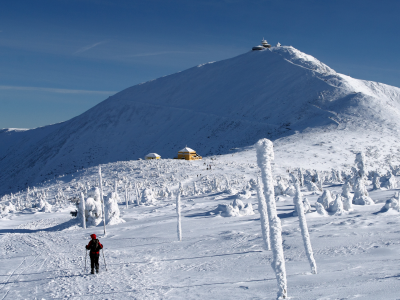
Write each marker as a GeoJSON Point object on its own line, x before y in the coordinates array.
{"type": "Point", "coordinates": [94, 246]}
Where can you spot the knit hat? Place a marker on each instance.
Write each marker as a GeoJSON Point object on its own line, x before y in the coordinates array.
{"type": "Point", "coordinates": [93, 236]}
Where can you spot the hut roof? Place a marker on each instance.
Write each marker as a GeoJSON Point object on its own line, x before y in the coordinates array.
{"type": "Point", "coordinates": [152, 155]}
{"type": "Point", "coordinates": [187, 150]}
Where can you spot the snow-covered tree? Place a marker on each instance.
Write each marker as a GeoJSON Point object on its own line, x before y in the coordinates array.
{"type": "Point", "coordinates": [262, 209]}
{"type": "Point", "coordinates": [298, 200]}
{"type": "Point", "coordinates": [361, 196]}
{"type": "Point", "coordinates": [247, 210]}
{"type": "Point", "coordinates": [326, 200]}
{"type": "Point", "coordinates": [339, 176]}
{"type": "Point", "coordinates": [195, 191]}
{"type": "Point", "coordinates": [391, 203]}
{"type": "Point", "coordinates": [168, 191]}
{"type": "Point", "coordinates": [320, 209]}
{"type": "Point", "coordinates": [82, 211]}
{"type": "Point", "coordinates": [320, 181]}
{"type": "Point", "coordinates": [376, 181]}
{"type": "Point", "coordinates": [178, 214]}
{"type": "Point", "coordinates": [126, 196]}
{"type": "Point", "coordinates": [281, 187]}
{"type": "Point", "coordinates": [116, 190]}
{"type": "Point", "coordinates": [334, 176]}
{"type": "Point", "coordinates": [112, 210]}
{"type": "Point", "coordinates": [301, 177]}
{"type": "Point", "coordinates": [44, 206]}
{"type": "Point", "coordinates": [360, 165]}
{"type": "Point", "coordinates": [311, 186]}
{"type": "Point", "coordinates": [337, 206]}
{"type": "Point", "coordinates": [8, 208]}
{"type": "Point", "coordinates": [215, 185]}
{"type": "Point", "coordinates": [93, 212]}
{"type": "Point", "coordinates": [102, 199]}
{"type": "Point", "coordinates": [138, 200]}
{"type": "Point", "coordinates": [390, 182]}
{"type": "Point", "coordinates": [148, 197]}
{"type": "Point", "coordinates": [238, 203]}
{"type": "Point", "coordinates": [244, 194]}
{"type": "Point", "coordinates": [265, 155]}
{"type": "Point", "coordinates": [227, 183]}
{"type": "Point", "coordinates": [290, 191]}
{"type": "Point", "coordinates": [347, 197]}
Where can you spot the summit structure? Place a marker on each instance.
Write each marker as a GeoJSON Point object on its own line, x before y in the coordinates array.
{"type": "Point", "coordinates": [264, 45]}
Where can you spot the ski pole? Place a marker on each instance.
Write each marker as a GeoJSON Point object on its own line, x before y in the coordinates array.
{"type": "Point", "coordinates": [102, 251]}
{"type": "Point", "coordinates": [85, 259]}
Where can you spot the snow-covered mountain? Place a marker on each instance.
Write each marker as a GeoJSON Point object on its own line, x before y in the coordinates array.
{"type": "Point", "coordinates": [279, 93]}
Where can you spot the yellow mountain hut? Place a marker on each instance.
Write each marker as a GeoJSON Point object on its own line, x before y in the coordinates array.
{"type": "Point", "coordinates": [188, 154]}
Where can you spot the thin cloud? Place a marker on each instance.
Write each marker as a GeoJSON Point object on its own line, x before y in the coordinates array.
{"type": "Point", "coordinates": [54, 90]}
{"type": "Point", "coordinates": [160, 53]}
{"type": "Point", "coordinates": [86, 48]}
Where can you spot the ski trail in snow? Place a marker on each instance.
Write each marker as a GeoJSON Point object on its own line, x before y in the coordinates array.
{"type": "Point", "coordinates": [26, 268]}
{"type": "Point", "coordinates": [4, 283]}
{"type": "Point", "coordinates": [15, 280]}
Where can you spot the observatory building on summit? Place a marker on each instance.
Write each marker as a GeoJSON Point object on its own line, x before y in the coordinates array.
{"type": "Point", "coordinates": [264, 45]}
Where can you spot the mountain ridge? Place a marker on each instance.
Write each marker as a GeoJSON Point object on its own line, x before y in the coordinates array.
{"type": "Point", "coordinates": [212, 108]}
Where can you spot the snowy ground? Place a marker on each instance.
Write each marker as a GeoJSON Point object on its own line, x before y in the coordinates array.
{"type": "Point", "coordinates": [43, 256]}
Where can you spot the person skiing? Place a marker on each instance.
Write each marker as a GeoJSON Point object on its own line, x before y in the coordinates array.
{"type": "Point", "coordinates": [94, 246]}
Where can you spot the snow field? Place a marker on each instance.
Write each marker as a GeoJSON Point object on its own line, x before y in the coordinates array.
{"type": "Point", "coordinates": [218, 258]}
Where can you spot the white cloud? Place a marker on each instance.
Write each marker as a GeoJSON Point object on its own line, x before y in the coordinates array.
{"type": "Point", "coordinates": [86, 48]}
{"type": "Point", "coordinates": [54, 90]}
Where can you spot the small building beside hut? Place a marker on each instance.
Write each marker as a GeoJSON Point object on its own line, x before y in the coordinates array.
{"type": "Point", "coordinates": [188, 154]}
{"type": "Point", "coordinates": [152, 156]}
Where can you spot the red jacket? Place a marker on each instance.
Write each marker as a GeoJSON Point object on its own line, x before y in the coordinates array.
{"type": "Point", "coordinates": [89, 246]}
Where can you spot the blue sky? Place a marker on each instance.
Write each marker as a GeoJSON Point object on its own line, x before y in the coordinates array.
{"type": "Point", "coordinates": [59, 58]}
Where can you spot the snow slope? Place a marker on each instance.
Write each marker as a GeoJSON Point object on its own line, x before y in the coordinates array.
{"type": "Point", "coordinates": [279, 93]}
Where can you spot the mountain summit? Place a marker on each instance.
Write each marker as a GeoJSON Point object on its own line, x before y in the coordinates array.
{"type": "Point", "coordinates": [272, 93]}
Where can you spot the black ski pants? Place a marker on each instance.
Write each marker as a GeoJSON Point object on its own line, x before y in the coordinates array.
{"type": "Point", "coordinates": [94, 260]}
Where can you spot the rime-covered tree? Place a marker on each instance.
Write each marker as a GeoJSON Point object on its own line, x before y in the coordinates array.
{"type": "Point", "coordinates": [112, 210]}
{"type": "Point", "coordinates": [326, 200]}
{"type": "Point", "coordinates": [337, 206]}
{"type": "Point", "coordinates": [82, 211]}
{"type": "Point", "coordinates": [148, 197]}
{"type": "Point", "coordinates": [298, 200]}
{"type": "Point", "coordinates": [361, 196]}
{"type": "Point", "coordinates": [376, 181]}
{"type": "Point", "coordinates": [360, 165]}
{"type": "Point", "coordinates": [347, 198]}
{"type": "Point", "coordinates": [390, 182]}
{"type": "Point", "coordinates": [301, 177]}
{"type": "Point", "coordinates": [265, 155]}
{"type": "Point", "coordinates": [320, 209]}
